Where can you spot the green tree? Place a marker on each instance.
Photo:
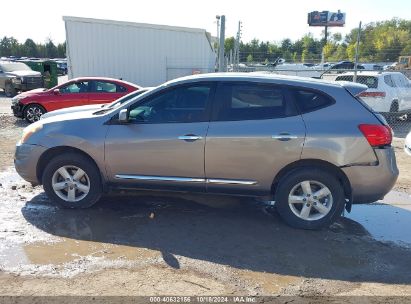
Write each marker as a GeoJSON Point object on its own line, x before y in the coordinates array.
{"type": "Point", "coordinates": [229, 44]}
{"type": "Point", "coordinates": [9, 46]}
{"type": "Point", "coordinates": [250, 58]}
{"type": "Point", "coordinates": [61, 50]}
{"type": "Point", "coordinates": [329, 50]}
{"type": "Point", "coordinates": [50, 49]}
{"type": "Point", "coordinates": [30, 48]}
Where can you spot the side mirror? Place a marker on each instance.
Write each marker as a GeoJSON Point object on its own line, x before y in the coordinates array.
{"type": "Point", "coordinates": [56, 91]}
{"type": "Point", "coordinates": [123, 116]}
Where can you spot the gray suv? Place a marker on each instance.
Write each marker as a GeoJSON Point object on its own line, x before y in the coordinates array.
{"type": "Point", "coordinates": [309, 145]}
{"type": "Point", "coordinates": [18, 76]}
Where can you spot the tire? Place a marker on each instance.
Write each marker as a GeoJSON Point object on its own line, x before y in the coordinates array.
{"type": "Point", "coordinates": [9, 90]}
{"type": "Point", "coordinates": [71, 192]}
{"type": "Point", "coordinates": [330, 205]}
{"type": "Point", "coordinates": [33, 112]}
{"type": "Point", "coordinates": [393, 114]}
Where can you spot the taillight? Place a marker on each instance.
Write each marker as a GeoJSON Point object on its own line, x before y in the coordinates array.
{"type": "Point", "coordinates": [377, 135]}
{"type": "Point", "coordinates": [372, 94]}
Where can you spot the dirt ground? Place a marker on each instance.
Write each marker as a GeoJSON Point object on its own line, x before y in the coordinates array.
{"type": "Point", "coordinates": [157, 244]}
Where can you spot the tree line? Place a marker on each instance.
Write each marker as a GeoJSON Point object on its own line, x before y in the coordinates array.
{"type": "Point", "coordinates": [381, 41]}
{"type": "Point", "coordinates": [9, 46]}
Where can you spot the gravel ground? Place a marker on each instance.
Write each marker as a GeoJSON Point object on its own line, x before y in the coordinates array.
{"type": "Point", "coordinates": [157, 244]}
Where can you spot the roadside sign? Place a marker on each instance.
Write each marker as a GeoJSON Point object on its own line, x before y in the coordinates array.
{"type": "Point", "coordinates": [326, 18]}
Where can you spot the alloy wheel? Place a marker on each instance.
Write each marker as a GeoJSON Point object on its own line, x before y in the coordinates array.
{"type": "Point", "coordinates": [70, 183]}
{"type": "Point", "coordinates": [34, 113]}
{"type": "Point", "coordinates": [310, 200]}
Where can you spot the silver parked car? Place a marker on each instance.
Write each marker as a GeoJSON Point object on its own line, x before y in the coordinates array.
{"type": "Point", "coordinates": [307, 144]}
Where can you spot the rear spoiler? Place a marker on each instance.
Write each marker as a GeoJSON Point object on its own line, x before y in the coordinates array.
{"type": "Point", "coordinates": [353, 87]}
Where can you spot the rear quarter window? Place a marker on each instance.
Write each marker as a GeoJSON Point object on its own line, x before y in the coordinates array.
{"type": "Point", "coordinates": [120, 89]}
{"type": "Point", "coordinates": [309, 101]}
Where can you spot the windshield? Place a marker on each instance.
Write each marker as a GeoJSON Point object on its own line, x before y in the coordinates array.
{"type": "Point", "coordinates": [123, 99]}
{"type": "Point", "coordinates": [115, 104]}
{"type": "Point", "coordinates": [14, 66]}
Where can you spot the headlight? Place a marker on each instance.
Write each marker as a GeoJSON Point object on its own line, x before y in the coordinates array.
{"type": "Point", "coordinates": [15, 100]}
{"type": "Point", "coordinates": [16, 80]}
{"type": "Point", "coordinates": [29, 131]}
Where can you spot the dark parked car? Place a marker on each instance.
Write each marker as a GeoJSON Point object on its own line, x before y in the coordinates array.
{"type": "Point", "coordinates": [17, 76]}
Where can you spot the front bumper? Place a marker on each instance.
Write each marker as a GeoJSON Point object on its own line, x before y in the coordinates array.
{"type": "Point", "coordinates": [29, 83]}
{"type": "Point", "coordinates": [17, 109]}
{"type": "Point", "coordinates": [372, 183]}
{"type": "Point", "coordinates": [26, 158]}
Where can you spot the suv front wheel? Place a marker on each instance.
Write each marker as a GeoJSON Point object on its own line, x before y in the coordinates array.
{"type": "Point", "coordinates": [309, 198]}
{"type": "Point", "coordinates": [9, 90]}
{"type": "Point", "coordinates": [71, 180]}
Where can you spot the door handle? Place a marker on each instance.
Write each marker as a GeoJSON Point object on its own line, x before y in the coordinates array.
{"type": "Point", "coordinates": [284, 137]}
{"type": "Point", "coordinates": [189, 137]}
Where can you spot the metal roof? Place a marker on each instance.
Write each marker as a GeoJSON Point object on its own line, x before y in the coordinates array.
{"type": "Point", "coordinates": [135, 24]}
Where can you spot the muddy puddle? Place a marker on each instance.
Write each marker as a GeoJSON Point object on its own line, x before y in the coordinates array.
{"type": "Point", "coordinates": [388, 220]}
{"type": "Point", "coordinates": [207, 233]}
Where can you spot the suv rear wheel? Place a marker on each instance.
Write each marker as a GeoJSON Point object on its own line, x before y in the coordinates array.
{"type": "Point", "coordinates": [393, 114]}
{"type": "Point", "coordinates": [309, 198]}
{"type": "Point", "coordinates": [72, 181]}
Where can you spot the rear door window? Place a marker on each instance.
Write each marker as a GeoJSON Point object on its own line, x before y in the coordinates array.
{"type": "Point", "coordinates": [104, 87]}
{"type": "Point", "coordinates": [251, 101]}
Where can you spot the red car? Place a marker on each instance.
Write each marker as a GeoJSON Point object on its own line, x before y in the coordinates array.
{"type": "Point", "coordinates": [76, 92]}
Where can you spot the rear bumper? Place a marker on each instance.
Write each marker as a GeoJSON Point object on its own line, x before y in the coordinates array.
{"type": "Point", "coordinates": [26, 158]}
{"type": "Point", "coordinates": [372, 183]}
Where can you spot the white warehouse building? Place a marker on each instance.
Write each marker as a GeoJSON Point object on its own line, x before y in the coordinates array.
{"type": "Point", "coordinates": [145, 54]}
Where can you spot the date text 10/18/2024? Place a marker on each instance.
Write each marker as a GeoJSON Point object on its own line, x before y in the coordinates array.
{"type": "Point", "coordinates": [203, 299]}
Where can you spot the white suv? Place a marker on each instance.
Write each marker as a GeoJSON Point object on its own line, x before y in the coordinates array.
{"type": "Point", "coordinates": [388, 92]}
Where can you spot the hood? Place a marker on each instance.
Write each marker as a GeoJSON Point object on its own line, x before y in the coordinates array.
{"type": "Point", "coordinates": [32, 92]}
{"type": "Point", "coordinates": [24, 73]}
{"type": "Point", "coordinates": [70, 110]}
{"type": "Point", "coordinates": [70, 116]}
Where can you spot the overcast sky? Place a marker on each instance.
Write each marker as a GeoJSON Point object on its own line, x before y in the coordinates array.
{"type": "Point", "coordinates": [268, 20]}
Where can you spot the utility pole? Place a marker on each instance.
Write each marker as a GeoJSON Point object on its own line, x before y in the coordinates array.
{"type": "Point", "coordinates": [221, 60]}
{"type": "Point", "coordinates": [357, 48]}
{"type": "Point", "coordinates": [218, 41]}
{"type": "Point", "coordinates": [237, 47]}
{"type": "Point", "coordinates": [325, 43]}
